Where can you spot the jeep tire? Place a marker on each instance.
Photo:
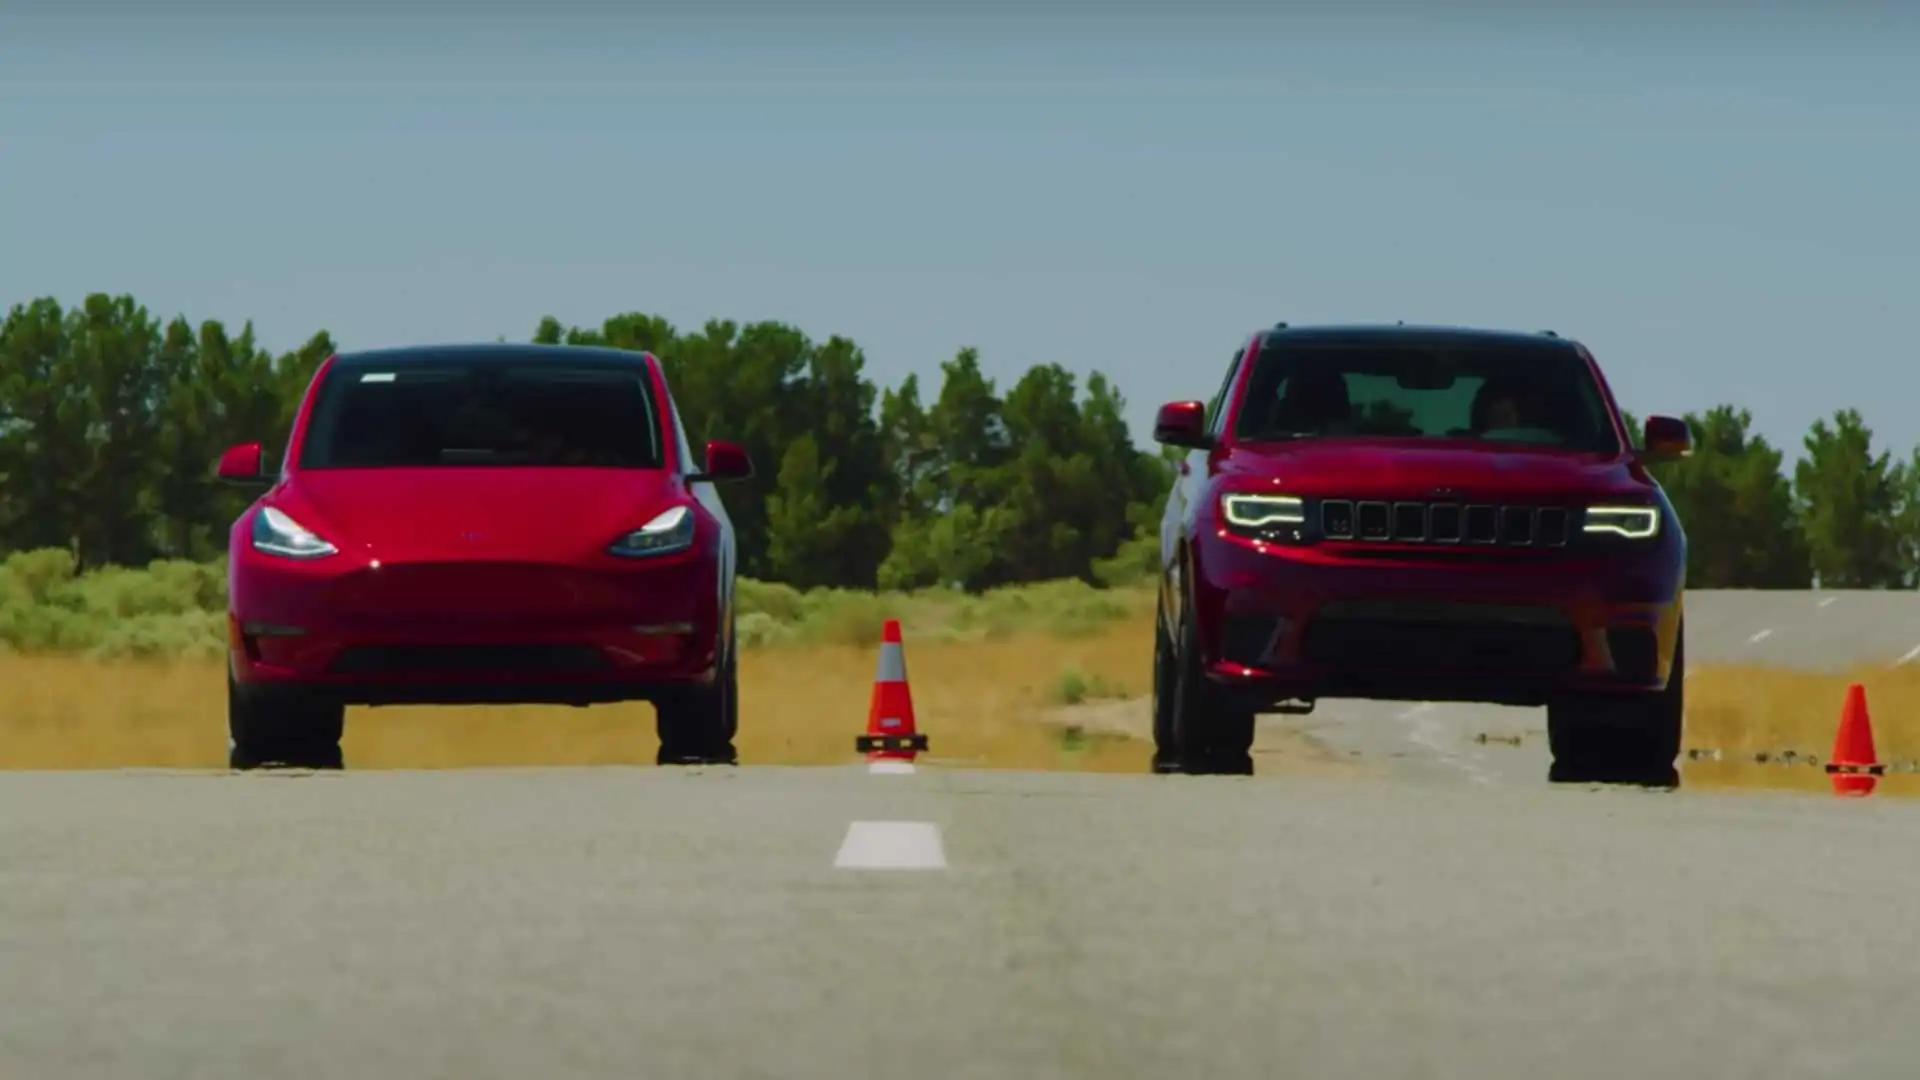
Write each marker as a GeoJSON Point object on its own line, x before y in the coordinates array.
{"type": "Point", "coordinates": [1212, 733]}
{"type": "Point", "coordinates": [1166, 673]}
{"type": "Point", "coordinates": [1621, 739]}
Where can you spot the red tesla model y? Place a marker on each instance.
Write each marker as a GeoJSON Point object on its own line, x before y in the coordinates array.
{"type": "Point", "coordinates": [482, 523]}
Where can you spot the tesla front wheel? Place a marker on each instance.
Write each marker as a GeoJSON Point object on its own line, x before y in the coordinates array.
{"type": "Point", "coordinates": [696, 724]}
{"type": "Point", "coordinates": [284, 728]}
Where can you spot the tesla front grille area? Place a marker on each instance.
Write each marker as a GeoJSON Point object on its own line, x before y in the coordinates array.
{"type": "Point", "coordinates": [415, 659]}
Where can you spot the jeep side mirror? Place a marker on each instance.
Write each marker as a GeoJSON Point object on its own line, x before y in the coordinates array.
{"type": "Point", "coordinates": [1665, 438]}
{"type": "Point", "coordinates": [1182, 423]}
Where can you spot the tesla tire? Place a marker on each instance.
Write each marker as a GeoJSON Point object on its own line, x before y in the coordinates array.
{"type": "Point", "coordinates": [697, 724]}
{"type": "Point", "coordinates": [1624, 740]}
{"type": "Point", "coordinates": [1211, 732]}
{"type": "Point", "coordinates": [282, 728]}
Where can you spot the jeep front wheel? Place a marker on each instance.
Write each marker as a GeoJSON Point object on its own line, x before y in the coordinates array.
{"type": "Point", "coordinates": [1213, 733]}
{"type": "Point", "coordinates": [1166, 674]}
{"type": "Point", "coordinates": [1627, 739]}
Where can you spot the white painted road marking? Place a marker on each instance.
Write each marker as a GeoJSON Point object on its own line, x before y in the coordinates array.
{"type": "Point", "coordinates": [1431, 734]}
{"type": "Point", "coordinates": [1759, 637]}
{"type": "Point", "coordinates": [892, 845]}
{"type": "Point", "coordinates": [890, 767]}
{"type": "Point", "coordinates": [1909, 657]}
{"type": "Point", "coordinates": [1828, 600]}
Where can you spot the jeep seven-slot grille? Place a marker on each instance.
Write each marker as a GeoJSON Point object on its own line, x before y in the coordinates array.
{"type": "Point", "coordinates": [1415, 522]}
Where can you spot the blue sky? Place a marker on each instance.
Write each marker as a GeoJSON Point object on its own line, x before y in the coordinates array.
{"type": "Point", "coordinates": [1723, 209]}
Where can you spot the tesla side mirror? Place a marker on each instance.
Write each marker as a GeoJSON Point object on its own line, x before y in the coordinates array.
{"type": "Point", "coordinates": [1182, 423]}
{"type": "Point", "coordinates": [1665, 438]}
{"type": "Point", "coordinates": [241, 464]}
{"type": "Point", "coordinates": [725, 461]}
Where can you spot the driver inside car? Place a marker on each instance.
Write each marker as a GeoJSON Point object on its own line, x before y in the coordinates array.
{"type": "Point", "coordinates": [1508, 404]}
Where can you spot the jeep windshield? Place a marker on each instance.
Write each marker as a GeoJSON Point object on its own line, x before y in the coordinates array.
{"type": "Point", "coordinates": [485, 412]}
{"type": "Point", "coordinates": [1530, 395]}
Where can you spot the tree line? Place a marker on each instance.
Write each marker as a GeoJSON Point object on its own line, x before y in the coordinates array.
{"type": "Point", "coordinates": [111, 418]}
{"type": "Point", "coordinates": [1842, 515]}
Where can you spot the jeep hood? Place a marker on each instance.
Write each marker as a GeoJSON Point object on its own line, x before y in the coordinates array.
{"type": "Point", "coordinates": [1416, 469]}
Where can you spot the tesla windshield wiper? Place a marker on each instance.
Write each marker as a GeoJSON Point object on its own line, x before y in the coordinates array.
{"type": "Point", "coordinates": [453, 454]}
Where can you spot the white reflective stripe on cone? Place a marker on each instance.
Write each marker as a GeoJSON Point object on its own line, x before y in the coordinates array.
{"type": "Point", "coordinates": [893, 665]}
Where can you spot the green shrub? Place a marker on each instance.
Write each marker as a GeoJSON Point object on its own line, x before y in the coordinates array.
{"type": "Point", "coordinates": [1136, 563]}
{"type": "Point", "coordinates": [178, 609]}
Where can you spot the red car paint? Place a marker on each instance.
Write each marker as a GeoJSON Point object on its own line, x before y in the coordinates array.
{"type": "Point", "coordinates": [1309, 612]}
{"type": "Point", "coordinates": [475, 583]}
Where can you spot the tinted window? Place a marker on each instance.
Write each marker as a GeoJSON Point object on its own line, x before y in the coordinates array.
{"type": "Point", "coordinates": [1530, 395]}
{"type": "Point", "coordinates": [423, 414]}
{"type": "Point", "coordinates": [1219, 403]}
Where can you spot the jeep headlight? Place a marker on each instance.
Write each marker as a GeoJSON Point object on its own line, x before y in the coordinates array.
{"type": "Point", "coordinates": [1263, 511]}
{"type": "Point", "coordinates": [1631, 522]}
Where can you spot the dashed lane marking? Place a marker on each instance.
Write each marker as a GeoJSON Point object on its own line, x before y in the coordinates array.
{"type": "Point", "coordinates": [892, 845]}
{"type": "Point", "coordinates": [889, 767]}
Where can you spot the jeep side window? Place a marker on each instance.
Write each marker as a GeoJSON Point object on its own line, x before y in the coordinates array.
{"type": "Point", "coordinates": [1217, 408]}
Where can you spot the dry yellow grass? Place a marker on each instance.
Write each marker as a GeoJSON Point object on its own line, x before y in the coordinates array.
{"type": "Point", "coordinates": [1742, 711]}
{"type": "Point", "coordinates": [981, 703]}
{"type": "Point", "coordinates": [988, 703]}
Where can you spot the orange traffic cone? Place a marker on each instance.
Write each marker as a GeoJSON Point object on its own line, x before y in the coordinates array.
{"type": "Point", "coordinates": [1853, 766]}
{"type": "Point", "coordinates": [891, 733]}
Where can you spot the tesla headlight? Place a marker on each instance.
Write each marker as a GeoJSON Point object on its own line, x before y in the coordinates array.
{"type": "Point", "coordinates": [1263, 511]}
{"type": "Point", "coordinates": [277, 534]}
{"type": "Point", "coordinates": [671, 531]}
{"type": "Point", "coordinates": [1632, 522]}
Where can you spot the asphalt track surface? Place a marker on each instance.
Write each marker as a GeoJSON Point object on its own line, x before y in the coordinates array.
{"type": "Point", "coordinates": [1415, 921]}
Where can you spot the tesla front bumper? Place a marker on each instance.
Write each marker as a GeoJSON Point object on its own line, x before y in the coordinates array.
{"type": "Point", "coordinates": [453, 632]}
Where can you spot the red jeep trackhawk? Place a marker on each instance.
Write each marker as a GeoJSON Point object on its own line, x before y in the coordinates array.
{"type": "Point", "coordinates": [1429, 514]}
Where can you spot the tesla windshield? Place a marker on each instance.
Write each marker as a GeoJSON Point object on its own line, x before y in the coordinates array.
{"type": "Point", "coordinates": [423, 414]}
